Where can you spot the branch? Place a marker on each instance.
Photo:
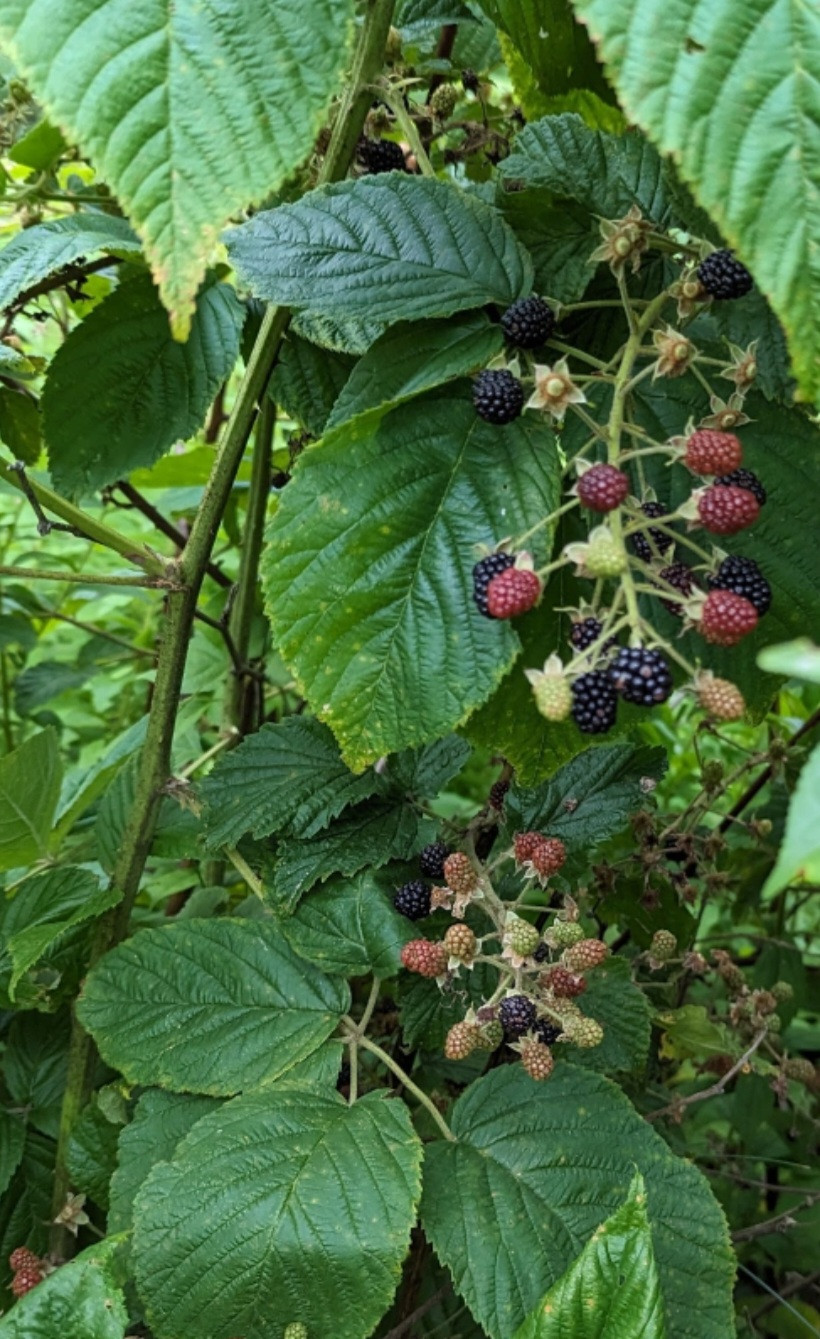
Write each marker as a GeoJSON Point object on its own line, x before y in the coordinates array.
{"type": "Point", "coordinates": [676, 1108]}
{"type": "Point", "coordinates": [782, 1222]}
{"type": "Point", "coordinates": [409, 1321]}
{"type": "Point", "coordinates": [85, 578]}
{"type": "Point", "coordinates": [765, 776]}
{"type": "Point", "coordinates": [167, 527]}
{"type": "Point", "coordinates": [70, 274]}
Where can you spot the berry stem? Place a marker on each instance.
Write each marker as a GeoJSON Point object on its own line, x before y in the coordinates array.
{"type": "Point", "coordinates": [641, 451]}
{"type": "Point", "coordinates": [663, 645]}
{"type": "Point", "coordinates": [241, 865]}
{"type": "Point", "coordinates": [595, 306]}
{"type": "Point", "coordinates": [406, 1082]}
{"type": "Point", "coordinates": [666, 529]}
{"type": "Point", "coordinates": [600, 433]}
{"type": "Point", "coordinates": [570, 349]}
{"type": "Point", "coordinates": [625, 300]}
{"type": "Point", "coordinates": [693, 367]}
{"type": "Point", "coordinates": [545, 520]}
{"type": "Point", "coordinates": [407, 126]}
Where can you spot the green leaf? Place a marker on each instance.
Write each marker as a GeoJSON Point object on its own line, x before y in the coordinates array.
{"type": "Point", "coordinates": [29, 790]}
{"type": "Point", "coordinates": [427, 770]}
{"type": "Point", "coordinates": [389, 247]}
{"type": "Point", "coordinates": [428, 1010]}
{"type": "Point", "coordinates": [369, 836]}
{"type": "Point", "coordinates": [50, 905]}
{"type": "Point", "coordinates": [799, 659]}
{"type": "Point", "coordinates": [25, 1210]}
{"type": "Point", "coordinates": [623, 1011]}
{"type": "Point", "coordinates": [535, 1168]}
{"type": "Point", "coordinates": [20, 428]}
{"type": "Point", "coordinates": [413, 357]}
{"type": "Point", "coordinates": [178, 112]}
{"type": "Point", "coordinates": [286, 778]}
{"type": "Point", "coordinates": [554, 46]}
{"type": "Point", "coordinates": [589, 798]}
{"type": "Point", "coordinates": [559, 235]}
{"type": "Point", "coordinates": [414, 16]}
{"type": "Point", "coordinates": [36, 253]}
{"type": "Point", "coordinates": [81, 1300]}
{"type": "Point", "coordinates": [349, 928]}
{"type": "Point", "coordinates": [91, 1155]}
{"type": "Point", "coordinates": [368, 568]}
{"type": "Point", "coordinates": [120, 390]}
{"type": "Point", "coordinates": [35, 1065]}
{"type": "Point", "coordinates": [612, 1290]}
{"type": "Point", "coordinates": [340, 333]}
{"type": "Point", "coordinates": [43, 682]}
{"type": "Point", "coordinates": [798, 860]}
{"type": "Point", "coordinates": [734, 105]}
{"type": "Point", "coordinates": [12, 1139]}
{"type": "Point", "coordinates": [208, 1006]}
{"type": "Point", "coordinates": [293, 1189]}
{"type": "Point", "coordinates": [160, 1121]}
{"type": "Point", "coordinates": [307, 380]}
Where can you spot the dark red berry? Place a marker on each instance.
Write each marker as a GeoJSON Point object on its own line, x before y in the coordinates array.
{"type": "Point", "coordinates": [498, 792]}
{"type": "Point", "coordinates": [744, 577]}
{"type": "Point", "coordinates": [726, 618]}
{"type": "Point", "coordinates": [512, 593]}
{"type": "Point", "coordinates": [726, 510]}
{"type": "Point", "coordinates": [498, 396]}
{"type": "Point", "coordinates": [602, 488]}
{"type": "Point", "coordinates": [711, 452]}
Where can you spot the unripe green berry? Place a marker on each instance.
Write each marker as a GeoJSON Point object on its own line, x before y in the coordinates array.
{"type": "Point", "coordinates": [443, 102]}
{"type": "Point", "coordinates": [664, 946]}
{"type": "Point", "coordinates": [782, 991]}
{"type": "Point", "coordinates": [583, 1032]}
{"type": "Point", "coordinates": [563, 934]}
{"type": "Point", "coordinates": [296, 1330]}
{"type": "Point", "coordinates": [605, 556]}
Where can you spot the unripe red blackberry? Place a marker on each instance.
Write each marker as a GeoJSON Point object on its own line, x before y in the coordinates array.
{"type": "Point", "coordinates": [727, 509]}
{"type": "Point", "coordinates": [524, 843]}
{"type": "Point", "coordinates": [726, 618]}
{"type": "Point", "coordinates": [460, 942]}
{"type": "Point", "coordinates": [517, 1015]}
{"type": "Point", "coordinates": [425, 958]}
{"type": "Point", "coordinates": [462, 1040]}
{"type": "Point", "coordinates": [483, 573]}
{"type": "Point", "coordinates": [498, 794]}
{"type": "Point", "coordinates": [460, 874]}
{"type": "Point", "coordinates": [712, 452]}
{"type": "Point", "coordinates": [585, 955]}
{"type": "Point", "coordinates": [536, 1058]}
{"type": "Point", "coordinates": [23, 1258]}
{"type": "Point", "coordinates": [563, 984]}
{"type": "Point", "coordinates": [602, 488]}
{"type": "Point", "coordinates": [548, 856]}
{"type": "Point", "coordinates": [513, 592]}
{"type": "Point", "coordinates": [528, 323]}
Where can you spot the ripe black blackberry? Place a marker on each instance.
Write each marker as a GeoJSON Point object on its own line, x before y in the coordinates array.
{"type": "Point", "coordinates": [660, 541]}
{"type": "Point", "coordinates": [483, 573]}
{"type": "Point", "coordinates": [723, 276]}
{"type": "Point", "coordinates": [541, 953]}
{"type": "Point", "coordinates": [641, 676]}
{"type": "Point", "coordinates": [585, 631]}
{"type": "Point", "coordinates": [517, 1015]}
{"type": "Point", "coordinates": [529, 322]}
{"type": "Point", "coordinates": [744, 577]}
{"type": "Point", "coordinates": [546, 1031]}
{"type": "Point", "coordinates": [498, 396]}
{"type": "Point", "coordinates": [594, 702]}
{"type": "Point", "coordinates": [381, 155]}
{"type": "Point", "coordinates": [432, 858]}
{"type": "Point", "coordinates": [498, 792]}
{"type": "Point", "coordinates": [413, 900]}
{"type": "Point", "coordinates": [683, 579]}
{"type": "Point", "coordinates": [747, 479]}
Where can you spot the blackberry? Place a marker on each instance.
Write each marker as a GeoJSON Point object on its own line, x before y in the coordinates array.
{"type": "Point", "coordinates": [744, 577]}
{"type": "Point", "coordinates": [594, 703]}
{"type": "Point", "coordinates": [498, 396]}
{"type": "Point", "coordinates": [723, 276]}
{"type": "Point", "coordinates": [660, 541]}
{"type": "Point", "coordinates": [381, 155]}
{"type": "Point", "coordinates": [498, 792]}
{"type": "Point", "coordinates": [432, 858]}
{"type": "Point", "coordinates": [540, 955]}
{"type": "Point", "coordinates": [529, 322]}
{"type": "Point", "coordinates": [641, 675]}
{"type": "Point", "coordinates": [546, 1031]}
{"type": "Point", "coordinates": [517, 1015]}
{"type": "Point", "coordinates": [413, 900]}
{"type": "Point", "coordinates": [585, 631]}
{"type": "Point", "coordinates": [744, 479]}
{"type": "Point", "coordinates": [483, 573]}
{"type": "Point", "coordinates": [683, 579]}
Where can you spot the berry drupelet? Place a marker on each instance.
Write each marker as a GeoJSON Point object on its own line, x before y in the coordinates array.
{"type": "Point", "coordinates": [528, 323]}
{"type": "Point", "coordinates": [413, 900]}
{"type": "Point", "coordinates": [594, 702]}
{"type": "Point", "coordinates": [641, 676]}
{"type": "Point", "coordinates": [723, 276]}
{"type": "Point", "coordinates": [498, 396]}
{"type": "Point", "coordinates": [744, 577]}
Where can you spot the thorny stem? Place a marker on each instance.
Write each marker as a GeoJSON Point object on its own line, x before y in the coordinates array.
{"type": "Point", "coordinates": [84, 578]}
{"type": "Point", "coordinates": [677, 1107]}
{"type": "Point", "coordinates": [154, 765]}
{"type": "Point", "coordinates": [571, 350]}
{"type": "Point", "coordinates": [407, 1083]}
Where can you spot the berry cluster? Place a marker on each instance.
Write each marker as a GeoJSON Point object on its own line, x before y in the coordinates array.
{"type": "Point", "coordinates": [541, 972]}
{"type": "Point", "coordinates": [635, 541]}
{"type": "Point", "coordinates": [28, 1270]}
